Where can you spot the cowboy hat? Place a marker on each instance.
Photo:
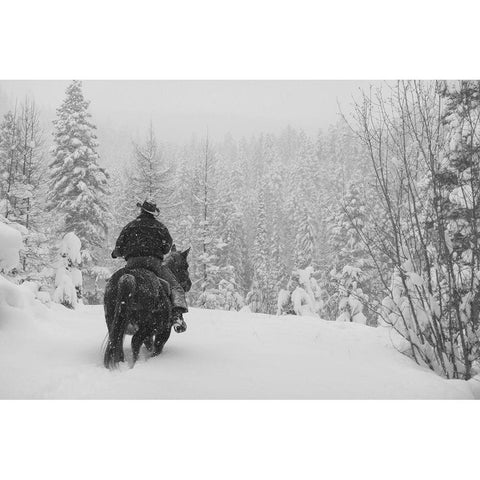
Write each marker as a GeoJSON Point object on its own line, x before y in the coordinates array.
{"type": "Point", "coordinates": [149, 207]}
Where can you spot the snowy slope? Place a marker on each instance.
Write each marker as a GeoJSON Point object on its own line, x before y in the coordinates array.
{"type": "Point", "coordinates": [56, 353]}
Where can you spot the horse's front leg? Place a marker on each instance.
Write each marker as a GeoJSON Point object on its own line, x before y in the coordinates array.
{"type": "Point", "coordinates": [161, 339]}
{"type": "Point", "coordinates": [148, 342]}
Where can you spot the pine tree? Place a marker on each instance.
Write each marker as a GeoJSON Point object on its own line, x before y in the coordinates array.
{"type": "Point", "coordinates": [209, 244]}
{"type": "Point", "coordinates": [205, 201]}
{"type": "Point", "coordinates": [240, 251]}
{"type": "Point", "coordinates": [303, 199]}
{"type": "Point", "coordinates": [78, 185]}
{"type": "Point", "coordinates": [352, 274]}
{"type": "Point", "coordinates": [152, 178]}
{"type": "Point", "coordinates": [275, 185]}
{"type": "Point", "coordinates": [259, 297]}
{"type": "Point", "coordinates": [183, 228]}
{"type": "Point", "coordinates": [347, 223]}
{"type": "Point", "coordinates": [304, 239]}
{"type": "Point", "coordinates": [459, 179]}
{"type": "Point", "coordinates": [121, 204]}
{"type": "Point", "coordinates": [229, 223]}
{"type": "Point", "coordinates": [458, 198]}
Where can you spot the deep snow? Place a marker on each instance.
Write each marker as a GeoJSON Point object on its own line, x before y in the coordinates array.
{"type": "Point", "coordinates": [11, 244]}
{"type": "Point", "coordinates": [56, 353]}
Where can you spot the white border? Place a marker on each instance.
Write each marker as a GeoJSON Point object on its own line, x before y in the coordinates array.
{"type": "Point", "coordinates": [239, 440]}
{"type": "Point", "coordinates": [251, 39]}
{"type": "Point", "coordinates": [239, 40]}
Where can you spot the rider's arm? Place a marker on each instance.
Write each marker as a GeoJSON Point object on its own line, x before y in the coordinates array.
{"type": "Point", "coordinates": [119, 245]}
{"type": "Point", "coordinates": [166, 240]}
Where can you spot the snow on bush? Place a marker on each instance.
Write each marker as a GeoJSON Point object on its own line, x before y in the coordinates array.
{"type": "Point", "coordinates": [225, 297]}
{"type": "Point", "coordinates": [16, 301]}
{"type": "Point", "coordinates": [416, 316]}
{"type": "Point", "coordinates": [303, 295]}
{"type": "Point", "coordinates": [65, 291]}
{"type": "Point", "coordinates": [70, 248]}
{"type": "Point", "coordinates": [34, 288]}
{"type": "Point", "coordinates": [255, 299]}
{"type": "Point", "coordinates": [11, 244]}
{"type": "Point", "coordinates": [351, 296]}
{"type": "Point", "coordinates": [68, 278]}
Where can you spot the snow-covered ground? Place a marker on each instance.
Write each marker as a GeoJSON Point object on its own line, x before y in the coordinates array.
{"type": "Point", "coordinates": [56, 353]}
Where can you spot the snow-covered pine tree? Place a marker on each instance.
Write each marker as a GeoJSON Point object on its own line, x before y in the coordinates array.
{"type": "Point", "coordinates": [347, 223]}
{"type": "Point", "coordinates": [205, 235]}
{"type": "Point", "coordinates": [229, 222]}
{"type": "Point", "coordinates": [278, 262]}
{"type": "Point", "coordinates": [240, 254]}
{"type": "Point", "coordinates": [207, 270]}
{"type": "Point", "coordinates": [352, 276]}
{"type": "Point", "coordinates": [349, 296]}
{"type": "Point", "coordinates": [183, 228]}
{"type": "Point", "coordinates": [78, 185]}
{"type": "Point", "coordinates": [458, 183]}
{"type": "Point", "coordinates": [304, 195]}
{"type": "Point", "coordinates": [152, 177]}
{"type": "Point", "coordinates": [258, 299]}
{"type": "Point", "coordinates": [120, 203]}
{"type": "Point", "coordinates": [277, 227]}
{"type": "Point", "coordinates": [459, 177]}
{"type": "Point", "coordinates": [324, 200]}
{"type": "Point", "coordinates": [304, 239]}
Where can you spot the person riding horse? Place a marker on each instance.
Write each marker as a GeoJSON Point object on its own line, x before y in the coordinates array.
{"type": "Point", "coordinates": [143, 243]}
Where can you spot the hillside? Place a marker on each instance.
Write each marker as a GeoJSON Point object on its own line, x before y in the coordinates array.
{"type": "Point", "coordinates": [56, 353]}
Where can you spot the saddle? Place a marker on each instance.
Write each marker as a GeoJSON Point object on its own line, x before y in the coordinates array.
{"type": "Point", "coordinates": [166, 286]}
{"type": "Point", "coordinates": [152, 265]}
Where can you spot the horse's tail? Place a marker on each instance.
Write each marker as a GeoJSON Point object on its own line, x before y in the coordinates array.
{"type": "Point", "coordinates": [125, 291]}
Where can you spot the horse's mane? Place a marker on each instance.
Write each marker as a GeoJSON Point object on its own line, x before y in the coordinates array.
{"type": "Point", "coordinates": [168, 258]}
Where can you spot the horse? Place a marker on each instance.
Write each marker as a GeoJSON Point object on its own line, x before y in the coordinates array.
{"type": "Point", "coordinates": [137, 301]}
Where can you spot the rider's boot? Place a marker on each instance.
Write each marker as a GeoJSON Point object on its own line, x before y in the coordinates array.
{"type": "Point", "coordinates": [179, 324]}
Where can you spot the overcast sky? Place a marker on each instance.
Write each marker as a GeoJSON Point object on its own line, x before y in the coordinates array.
{"type": "Point", "coordinates": [179, 109]}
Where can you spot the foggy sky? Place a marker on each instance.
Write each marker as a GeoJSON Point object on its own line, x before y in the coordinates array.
{"type": "Point", "coordinates": [182, 108]}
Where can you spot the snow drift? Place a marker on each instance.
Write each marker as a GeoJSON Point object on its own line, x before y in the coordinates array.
{"type": "Point", "coordinates": [56, 353]}
{"type": "Point", "coordinates": [10, 245]}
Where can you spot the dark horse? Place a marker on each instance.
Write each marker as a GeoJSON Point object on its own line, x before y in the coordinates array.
{"type": "Point", "coordinates": [136, 299]}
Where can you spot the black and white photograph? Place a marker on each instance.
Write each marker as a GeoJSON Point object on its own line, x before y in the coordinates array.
{"type": "Point", "coordinates": [239, 240]}
{"type": "Point", "coordinates": [226, 240]}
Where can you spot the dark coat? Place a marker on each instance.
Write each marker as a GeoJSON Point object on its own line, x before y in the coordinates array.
{"type": "Point", "coordinates": [144, 236]}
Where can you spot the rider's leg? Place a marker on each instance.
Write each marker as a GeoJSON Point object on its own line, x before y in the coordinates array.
{"type": "Point", "coordinates": [178, 299]}
{"type": "Point", "coordinates": [178, 294]}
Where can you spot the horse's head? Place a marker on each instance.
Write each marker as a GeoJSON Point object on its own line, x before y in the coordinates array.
{"type": "Point", "coordinates": [178, 265]}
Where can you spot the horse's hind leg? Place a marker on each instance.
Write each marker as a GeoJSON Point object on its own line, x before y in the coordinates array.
{"type": "Point", "coordinates": [138, 339]}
